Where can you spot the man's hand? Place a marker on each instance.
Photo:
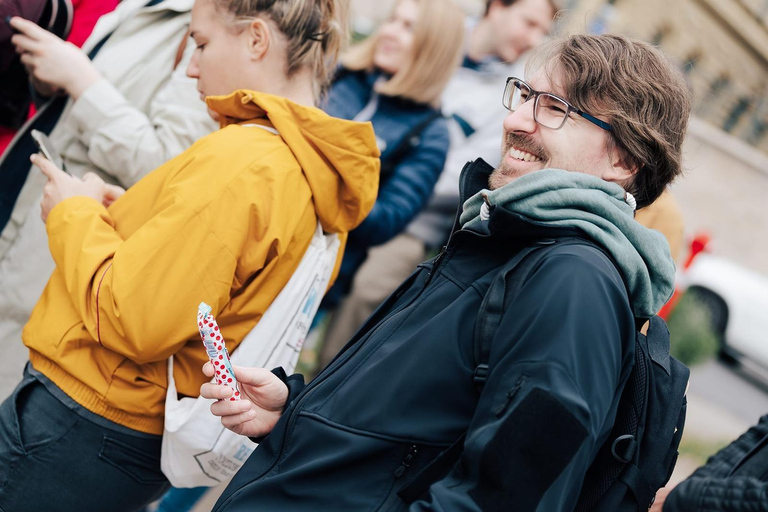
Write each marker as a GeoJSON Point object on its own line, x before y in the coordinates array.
{"type": "Point", "coordinates": [263, 398]}
{"type": "Point", "coordinates": [53, 64]}
{"type": "Point", "coordinates": [61, 186]}
{"type": "Point", "coordinates": [661, 497]}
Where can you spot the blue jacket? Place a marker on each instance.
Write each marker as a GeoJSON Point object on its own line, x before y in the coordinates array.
{"type": "Point", "coordinates": [407, 176]}
{"type": "Point", "coordinates": [402, 390]}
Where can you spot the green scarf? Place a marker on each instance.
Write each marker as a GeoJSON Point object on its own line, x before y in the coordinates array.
{"type": "Point", "coordinates": [598, 208]}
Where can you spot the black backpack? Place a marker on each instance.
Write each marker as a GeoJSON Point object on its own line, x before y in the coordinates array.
{"type": "Point", "coordinates": [641, 451]}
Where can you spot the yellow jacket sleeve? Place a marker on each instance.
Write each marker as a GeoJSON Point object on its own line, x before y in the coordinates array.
{"type": "Point", "coordinates": [138, 297]}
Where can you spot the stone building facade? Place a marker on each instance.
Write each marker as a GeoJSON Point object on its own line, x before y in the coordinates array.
{"type": "Point", "coordinates": [721, 45]}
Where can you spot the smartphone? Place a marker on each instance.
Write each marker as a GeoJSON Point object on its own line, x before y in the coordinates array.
{"type": "Point", "coordinates": [47, 149]}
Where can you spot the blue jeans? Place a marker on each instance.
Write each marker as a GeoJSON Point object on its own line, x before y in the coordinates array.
{"type": "Point", "coordinates": [60, 457]}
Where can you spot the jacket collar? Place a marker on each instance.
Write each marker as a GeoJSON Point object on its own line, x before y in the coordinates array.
{"type": "Point", "coordinates": [503, 223]}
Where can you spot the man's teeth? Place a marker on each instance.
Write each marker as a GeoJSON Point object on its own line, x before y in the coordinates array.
{"type": "Point", "coordinates": [522, 155]}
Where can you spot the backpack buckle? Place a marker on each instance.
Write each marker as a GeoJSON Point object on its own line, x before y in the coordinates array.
{"type": "Point", "coordinates": [480, 375]}
{"type": "Point", "coordinates": [623, 448]}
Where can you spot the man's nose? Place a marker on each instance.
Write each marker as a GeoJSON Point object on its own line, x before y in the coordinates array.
{"type": "Point", "coordinates": [521, 119]}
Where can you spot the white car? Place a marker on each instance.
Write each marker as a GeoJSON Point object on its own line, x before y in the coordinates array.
{"type": "Point", "coordinates": [737, 299]}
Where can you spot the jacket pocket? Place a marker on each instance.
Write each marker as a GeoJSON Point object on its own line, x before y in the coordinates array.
{"type": "Point", "coordinates": [135, 462]}
{"type": "Point", "coordinates": [415, 459]}
{"type": "Point", "coordinates": [324, 465]}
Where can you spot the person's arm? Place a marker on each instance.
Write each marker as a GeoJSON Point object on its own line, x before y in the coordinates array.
{"type": "Point", "coordinates": [131, 293]}
{"type": "Point", "coordinates": [738, 494]}
{"type": "Point", "coordinates": [403, 196]}
{"type": "Point", "coordinates": [557, 360]}
{"type": "Point", "coordinates": [127, 143]}
{"type": "Point", "coordinates": [711, 482]}
{"type": "Point", "coordinates": [122, 140]}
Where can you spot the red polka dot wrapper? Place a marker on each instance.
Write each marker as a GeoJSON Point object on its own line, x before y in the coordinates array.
{"type": "Point", "coordinates": [217, 351]}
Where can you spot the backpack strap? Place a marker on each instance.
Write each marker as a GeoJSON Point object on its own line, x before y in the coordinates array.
{"type": "Point", "coordinates": [503, 290]}
{"type": "Point", "coordinates": [658, 342]}
{"type": "Point", "coordinates": [491, 310]}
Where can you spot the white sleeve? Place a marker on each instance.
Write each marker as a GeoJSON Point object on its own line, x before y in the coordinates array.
{"type": "Point", "coordinates": [128, 143]}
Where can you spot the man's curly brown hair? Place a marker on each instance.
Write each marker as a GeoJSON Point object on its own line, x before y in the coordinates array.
{"type": "Point", "coordinates": [642, 94]}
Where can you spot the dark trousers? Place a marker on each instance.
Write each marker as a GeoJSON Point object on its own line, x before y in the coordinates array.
{"type": "Point", "coordinates": [54, 458]}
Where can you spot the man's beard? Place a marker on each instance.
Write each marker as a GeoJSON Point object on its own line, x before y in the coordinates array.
{"type": "Point", "coordinates": [503, 174]}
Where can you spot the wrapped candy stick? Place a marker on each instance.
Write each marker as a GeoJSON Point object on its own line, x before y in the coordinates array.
{"type": "Point", "coordinates": [217, 351]}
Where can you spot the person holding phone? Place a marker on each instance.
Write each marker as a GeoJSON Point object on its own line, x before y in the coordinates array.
{"type": "Point", "coordinates": [226, 222]}
{"type": "Point", "coordinates": [121, 106]}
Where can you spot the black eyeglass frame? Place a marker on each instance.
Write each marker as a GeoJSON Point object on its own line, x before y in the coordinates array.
{"type": "Point", "coordinates": [537, 94]}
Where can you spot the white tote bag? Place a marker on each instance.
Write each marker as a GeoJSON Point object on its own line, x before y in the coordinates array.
{"type": "Point", "coordinates": [197, 449]}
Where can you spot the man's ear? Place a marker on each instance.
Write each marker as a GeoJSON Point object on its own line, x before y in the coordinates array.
{"type": "Point", "coordinates": [259, 34]}
{"type": "Point", "coordinates": [623, 167]}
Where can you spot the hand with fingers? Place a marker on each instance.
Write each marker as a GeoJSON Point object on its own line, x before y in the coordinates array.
{"type": "Point", "coordinates": [52, 63]}
{"type": "Point", "coordinates": [61, 186]}
{"type": "Point", "coordinates": [263, 399]}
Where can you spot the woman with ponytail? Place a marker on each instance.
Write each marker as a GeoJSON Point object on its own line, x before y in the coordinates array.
{"type": "Point", "coordinates": [226, 223]}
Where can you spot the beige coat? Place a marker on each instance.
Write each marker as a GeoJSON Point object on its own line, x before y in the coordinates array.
{"type": "Point", "coordinates": [144, 113]}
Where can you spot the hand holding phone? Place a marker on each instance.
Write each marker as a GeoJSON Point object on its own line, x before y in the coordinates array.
{"type": "Point", "coordinates": [46, 148]}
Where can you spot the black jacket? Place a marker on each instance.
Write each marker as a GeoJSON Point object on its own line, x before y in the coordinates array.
{"type": "Point", "coordinates": [734, 480]}
{"type": "Point", "coordinates": [402, 390]}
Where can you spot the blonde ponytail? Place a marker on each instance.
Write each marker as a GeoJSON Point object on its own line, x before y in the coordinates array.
{"type": "Point", "coordinates": [315, 31]}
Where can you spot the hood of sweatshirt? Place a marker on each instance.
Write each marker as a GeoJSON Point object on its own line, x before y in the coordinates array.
{"type": "Point", "coordinates": [339, 158]}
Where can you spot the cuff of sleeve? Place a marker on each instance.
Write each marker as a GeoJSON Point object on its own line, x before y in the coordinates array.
{"type": "Point", "coordinates": [93, 106]}
{"type": "Point", "coordinates": [60, 217]}
{"type": "Point", "coordinates": [295, 384]}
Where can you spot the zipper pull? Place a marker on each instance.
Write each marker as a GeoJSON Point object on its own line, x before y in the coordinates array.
{"type": "Point", "coordinates": [413, 450]}
{"type": "Point", "coordinates": [435, 264]}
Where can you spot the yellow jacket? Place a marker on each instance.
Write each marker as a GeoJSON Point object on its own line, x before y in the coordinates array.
{"type": "Point", "coordinates": [226, 222]}
{"type": "Point", "coordinates": [664, 215]}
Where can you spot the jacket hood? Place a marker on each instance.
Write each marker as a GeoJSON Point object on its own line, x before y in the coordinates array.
{"type": "Point", "coordinates": [339, 158]}
{"type": "Point", "coordinates": [562, 199]}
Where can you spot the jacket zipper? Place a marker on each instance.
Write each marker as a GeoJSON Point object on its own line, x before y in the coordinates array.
{"type": "Point", "coordinates": [316, 382]}
{"type": "Point", "coordinates": [444, 249]}
{"type": "Point", "coordinates": [413, 450]}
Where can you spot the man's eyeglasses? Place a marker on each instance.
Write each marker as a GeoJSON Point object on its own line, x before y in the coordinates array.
{"type": "Point", "coordinates": [549, 110]}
